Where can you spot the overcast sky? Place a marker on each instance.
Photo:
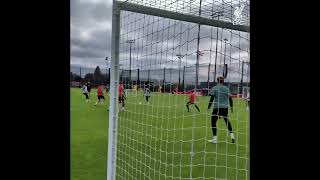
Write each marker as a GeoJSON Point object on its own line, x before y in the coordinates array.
{"type": "Point", "coordinates": [90, 32]}
{"type": "Point", "coordinates": [91, 36]}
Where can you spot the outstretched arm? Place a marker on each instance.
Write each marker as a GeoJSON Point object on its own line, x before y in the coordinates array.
{"type": "Point", "coordinates": [210, 102]}
{"type": "Point", "coordinates": [231, 103]}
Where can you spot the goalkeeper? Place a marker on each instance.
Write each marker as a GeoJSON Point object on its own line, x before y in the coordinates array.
{"type": "Point", "coordinates": [220, 96]}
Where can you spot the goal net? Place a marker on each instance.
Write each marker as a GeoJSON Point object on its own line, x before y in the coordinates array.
{"type": "Point", "coordinates": [174, 47]}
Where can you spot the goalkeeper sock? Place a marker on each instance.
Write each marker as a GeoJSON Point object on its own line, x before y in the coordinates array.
{"type": "Point", "coordinates": [215, 138]}
{"type": "Point", "coordinates": [232, 135]}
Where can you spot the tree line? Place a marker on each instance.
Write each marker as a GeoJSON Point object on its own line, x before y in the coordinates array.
{"type": "Point", "coordinates": [96, 77]}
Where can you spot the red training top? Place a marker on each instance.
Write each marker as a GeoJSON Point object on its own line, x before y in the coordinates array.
{"type": "Point", "coordinates": [192, 97]}
{"type": "Point", "coordinates": [120, 90]}
{"type": "Point", "coordinates": [100, 91]}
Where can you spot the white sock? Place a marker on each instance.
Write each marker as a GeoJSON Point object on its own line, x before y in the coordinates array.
{"type": "Point", "coordinates": [232, 135]}
{"type": "Point", "coordinates": [215, 138]}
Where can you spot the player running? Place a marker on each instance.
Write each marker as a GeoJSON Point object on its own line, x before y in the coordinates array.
{"type": "Point", "coordinates": [248, 101]}
{"type": "Point", "coordinates": [89, 88]}
{"type": "Point", "coordinates": [192, 99]}
{"type": "Point", "coordinates": [100, 95]}
{"type": "Point", "coordinates": [85, 92]}
{"type": "Point", "coordinates": [121, 96]}
{"type": "Point", "coordinates": [220, 96]}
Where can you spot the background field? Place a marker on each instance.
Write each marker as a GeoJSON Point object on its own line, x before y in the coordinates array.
{"type": "Point", "coordinates": [155, 140]}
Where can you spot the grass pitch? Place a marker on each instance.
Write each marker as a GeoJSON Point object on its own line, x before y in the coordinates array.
{"type": "Point", "coordinates": [160, 140]}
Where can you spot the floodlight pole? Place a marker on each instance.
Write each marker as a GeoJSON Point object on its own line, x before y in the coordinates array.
{"type": "Point", "coordinates": [113, 105]}
{"type": "Point", "coordinates": [131, 41]}
{"type": "Point", "coordinates": [138, 80]}
{"type": "Point", "coordinates": [164, 77]}
{"type": "Point", "coordinates": [149, 76]}
{"type": "Point", "coordinates": [213, 15]}
{"type": "Point", "coordinates": [208, 80]}
{"type": "Point", "coordinates": [109, 77]}
{"type": "Point", "coordinates": [199, 53]}
{"type": "Point", "coordinates": [224, 57]}
{"type": "Point", "coordinates": [179, 56]}
{"type": "Point", "coordinates": [241, 83]}
{"type": "Point", "coordinates": [215, 58]}
{"type": "Point", "coordinates": [184, 70]}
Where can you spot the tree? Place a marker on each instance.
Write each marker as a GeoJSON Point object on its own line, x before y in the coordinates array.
{"type": "Point", "coordinates": [89, 77]}
{"type": "Point", "coordinates": [98, 77]}
{"type": "Point", "coordinates": [74, 77]}
{"type": "Point", "coordinates": [71, 76]}
{"type": "Point", "coordinates": [77, 77]}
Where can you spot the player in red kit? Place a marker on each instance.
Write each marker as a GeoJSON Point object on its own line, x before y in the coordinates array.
{"type": "Point", "coordinates": [100, 95]}
{"type": "Point", "coordinates": [121, 95]}
{"type": "Point", "coordinates": [192, 99]}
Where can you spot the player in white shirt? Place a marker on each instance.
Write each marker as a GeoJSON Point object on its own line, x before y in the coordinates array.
{"type": "Point", "coordinates": [147, 94]}
{"type": "Point", "coordinates": [85, 92]}
{"type": "Point", "coordinates": [248, 101]}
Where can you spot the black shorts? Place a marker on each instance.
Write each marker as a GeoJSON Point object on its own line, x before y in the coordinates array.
{"type": "Point", "coordinates": [86, 94]}
{"type": "Point", "coordinates": [121, 98]}
{"type": "Point", "coordinates": [100, 97]}
{"type": "Point", "coordinates": [190, 102]}
{"type": "Point", "coordinates": [220, 112]}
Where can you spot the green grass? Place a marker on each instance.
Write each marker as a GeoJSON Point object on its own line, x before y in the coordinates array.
{"type": "Point", "coordinates": [155, 140]}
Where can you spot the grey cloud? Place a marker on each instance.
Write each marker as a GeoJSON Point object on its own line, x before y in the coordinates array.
{"type": "Point", "coordinates": [99, 40]}
{"type": "Point", "coordinates": [92, 50]}
{"type": "Point", "coordinates": [94, 18]}
{"type": "Point", "coordinates": [81, 52]}
{"type": "Point", "coordinates": [83, 13]}
{"type": "Point", "coordinates": [102, 12]}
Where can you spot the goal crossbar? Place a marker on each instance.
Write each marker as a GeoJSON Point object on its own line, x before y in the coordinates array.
{"type": "Point", "coordinates": [126, 6]}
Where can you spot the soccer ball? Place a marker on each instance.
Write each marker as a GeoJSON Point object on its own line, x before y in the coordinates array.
{"type": "Point", "coordinates": [139, 102]}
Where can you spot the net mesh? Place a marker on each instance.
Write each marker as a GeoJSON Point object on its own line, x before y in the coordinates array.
{"type": "Point", "coordinates": [158, 138]}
